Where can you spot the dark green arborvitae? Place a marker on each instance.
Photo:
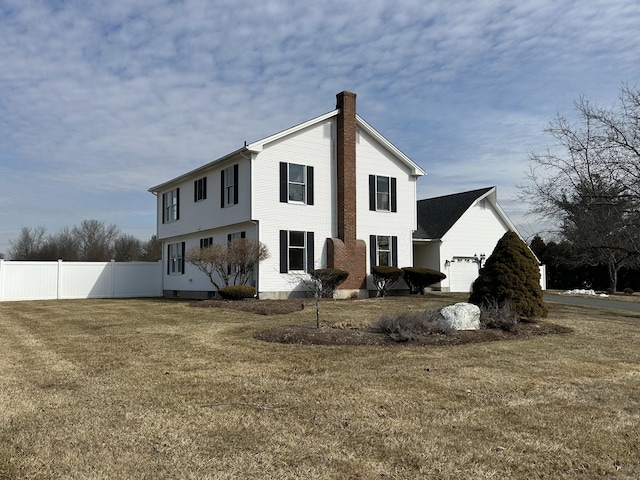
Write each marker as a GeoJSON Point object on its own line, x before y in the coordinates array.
{"type": "Point", "coordinates": [511, 275]}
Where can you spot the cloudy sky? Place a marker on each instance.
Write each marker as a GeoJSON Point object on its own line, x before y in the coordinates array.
{"type": "Point", "coordinates": [100, 101]}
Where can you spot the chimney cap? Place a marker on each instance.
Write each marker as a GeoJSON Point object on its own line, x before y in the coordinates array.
{"type": "Point", "coordinates": [340, 97]}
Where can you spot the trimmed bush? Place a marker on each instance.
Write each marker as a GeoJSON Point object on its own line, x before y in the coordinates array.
{"type": "Point", "coordinates": [330, 279]}
{"type": "Point", "coordinates": [628, 291]}
{"type": "Point", "coordinates": [406, 326]}
{"type": "Point", "coordinates": [511, 275]}
{"type": "Point", "coordinates": [385, 277]}
{"type": "Point", "coordinates": [420, 278]}
{"type": "Point", "coordinates": [237, 292]}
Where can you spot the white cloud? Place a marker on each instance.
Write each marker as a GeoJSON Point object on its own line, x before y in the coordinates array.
{"type": "Point", "coordinates": [111, 98]}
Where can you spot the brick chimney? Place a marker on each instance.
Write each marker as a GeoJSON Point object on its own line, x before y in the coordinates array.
{"type": "Point", "coordinates": [346, 252]}
{"type": "Point", "coordinates": [346, 160]}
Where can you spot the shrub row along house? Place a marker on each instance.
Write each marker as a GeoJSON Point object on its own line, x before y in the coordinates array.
{"type": "Point", "coordinates": [331, 192]}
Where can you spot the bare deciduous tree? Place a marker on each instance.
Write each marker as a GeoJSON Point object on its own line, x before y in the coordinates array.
{"type": "Point", "coordinates": [243, 255]}
{"type": "Point", "coordinates": [96, 241]}
{"type": "Point", "coordinates": [90, 241]}
{"type": "Point", "coordinates": [28, 245]}
{"type": "Point", "coordinates": [127, 248]}
{"type": "Point", "coordinates": [62, 246]}
{"type": "Point", "coordinates": [588, 185]}
{"type": "Point", "coordinates": [229, 264]}
{"type": "Point", "coordinates": [320, 283]}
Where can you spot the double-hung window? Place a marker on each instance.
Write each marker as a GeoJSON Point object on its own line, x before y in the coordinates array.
{"type": "Point", "coordinates": [296, 183]}
{"type": "Point", "coordinates": [171, 206]}
{"type": "Point", "coordinates": [383, 250]}
{"type": "Point", "coordinates": [200, 189]}
{"type": "Point", "coordinates": [296, 251]}
{"type": "Point", "coordinates": [230, 238]}
{"type": "Point", "coordinates": [229, 186]}
{"type": "Point", "coordinates": [206, 242]}
{"type": "Point", "coordinates": [382, 193]}
{"type": "Point", "coordinates": [175, 258]}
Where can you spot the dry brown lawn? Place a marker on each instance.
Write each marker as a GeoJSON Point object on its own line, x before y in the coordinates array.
{"type": "Point", "coordinates": [153, 389]}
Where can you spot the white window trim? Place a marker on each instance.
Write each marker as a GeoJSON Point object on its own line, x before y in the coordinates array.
{"type": "Point", "coordinates": [379, 250]}
{"type": "Point", "coordinates": [303, 248]}
{"type": "Point", "coordinates": [388, 194]}
{"type": "Point", "coordinates": [170, 206]}
{"type": "Point", "coordinates": [176, 262]}
{"type": "Point", "coordinates": [303, 183]}
{"type": "Point", "coordinates": [229, 188]}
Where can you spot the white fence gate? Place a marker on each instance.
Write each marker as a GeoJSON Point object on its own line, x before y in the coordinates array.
{"type": "Point", "coordinates": [23, 280]}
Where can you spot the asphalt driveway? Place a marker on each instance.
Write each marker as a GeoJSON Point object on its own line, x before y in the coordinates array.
{"type": "Point", "coordinates": [598, 302]}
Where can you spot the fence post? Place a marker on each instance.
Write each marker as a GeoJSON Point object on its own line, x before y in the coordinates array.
{"type": "Point", "coordinates": [1, 279]}
{"type": "Point", "coordinates": [59, 279]}
{"type": "Point", "coordinates": [112, 287]}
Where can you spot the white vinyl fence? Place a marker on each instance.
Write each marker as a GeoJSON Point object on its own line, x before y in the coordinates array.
{"type": "Point", "coordinates": [65, 280]}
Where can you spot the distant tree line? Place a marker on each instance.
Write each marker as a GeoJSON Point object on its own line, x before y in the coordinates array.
{"type": "Point", "coordinates": [90, 241]}
{"type": "Point", "coordinates": [564, 272]}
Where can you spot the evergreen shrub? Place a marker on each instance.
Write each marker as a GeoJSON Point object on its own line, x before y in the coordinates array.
{"type": "Point", "coordinates": [510, 275]}
{"type": "Point", "coordinates": [385, 277]}
{"type": "Point", "coordinates": [330, 279]}
{"type": "Point", "coordinates": [419, 278]}
{"type": "Point", "coordinates": [237, 292]}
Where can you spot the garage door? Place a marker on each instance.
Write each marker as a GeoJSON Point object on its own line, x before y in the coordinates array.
{"type": "Point", "coordinates": [461, 275]}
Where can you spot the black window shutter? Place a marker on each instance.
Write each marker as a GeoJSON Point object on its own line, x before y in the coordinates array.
{"type": "Point", "coordinates": [394, 206]}
{"type": "Point", "coordinates": [394, 251]}
{"type": "Point", "coordinates": [372, 251]}
{"type": "Point", "coordinates": [195, 190]}
{"type": "Point", "coordinates": [204, 188]}
{"type": "Point", "coordinates": [168, 259]}
{"type": "Point", "coordinates": [284, 251]}
{"type": "Point", "coordinates": [372, 192]}
{"type": "Point", "coordinates": [243, 234]}
{"type": "Point", "coordinates": [309, 185]}
{"type": "Point", "coordinates": [177, 203]}
{"type": "Point", "coordinates": [164, 207]}
{"type": "Point", "coordinates": [202, 243]}
{"type": "Point", "coordinates": [235, 186]}
{"type": "Point", "coordinates": [310, 252]}
{"type": "Point", "coordinates": [284, 195]}
{"type": "Point", "coordinates": [183, 259]}
{"type": "Point", "coordinates": [228, 264]}
{"type": "Point", "coordinates": [222, 189]}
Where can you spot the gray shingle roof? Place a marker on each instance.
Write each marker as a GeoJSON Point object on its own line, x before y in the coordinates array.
{"type": "Point", "coordinates": [437, 215]}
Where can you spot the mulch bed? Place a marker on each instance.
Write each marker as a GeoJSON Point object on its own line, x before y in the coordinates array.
{"type": "Point", "coordinates": [365, 335]}
{"type": "Point", "coordinates": [330, 335]}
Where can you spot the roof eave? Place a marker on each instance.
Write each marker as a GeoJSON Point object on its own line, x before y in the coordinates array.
{"type": "Point", "coordinates": [258, 145]}
{"type": "Point", "coordinates": [191, 173]}
{"type": "Point", "coordinates": [415, 168]}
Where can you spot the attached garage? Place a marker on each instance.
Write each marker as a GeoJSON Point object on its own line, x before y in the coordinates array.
{"type": "Point", "coordinates": [456, 233]}
{"type": "Point", "coordinates": [462, 273]}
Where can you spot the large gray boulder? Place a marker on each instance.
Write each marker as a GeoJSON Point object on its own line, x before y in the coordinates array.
{"type": "Point", "coordinates": [462, 316]}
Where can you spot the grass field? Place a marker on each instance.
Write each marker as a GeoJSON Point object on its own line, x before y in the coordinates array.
{"type": "Point", "coordinates": [153, 389]}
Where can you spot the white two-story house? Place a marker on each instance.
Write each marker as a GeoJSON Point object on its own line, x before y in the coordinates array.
{"type": "Point", "coordinates": [328, 193]}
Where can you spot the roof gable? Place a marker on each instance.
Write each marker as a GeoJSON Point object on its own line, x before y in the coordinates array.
{"type": "Point", "coordinates": [258, 146]}
{"type": "Point", "coordinates": [415, 169]}
{"type": "Point", "coordinates": [437, 215]}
